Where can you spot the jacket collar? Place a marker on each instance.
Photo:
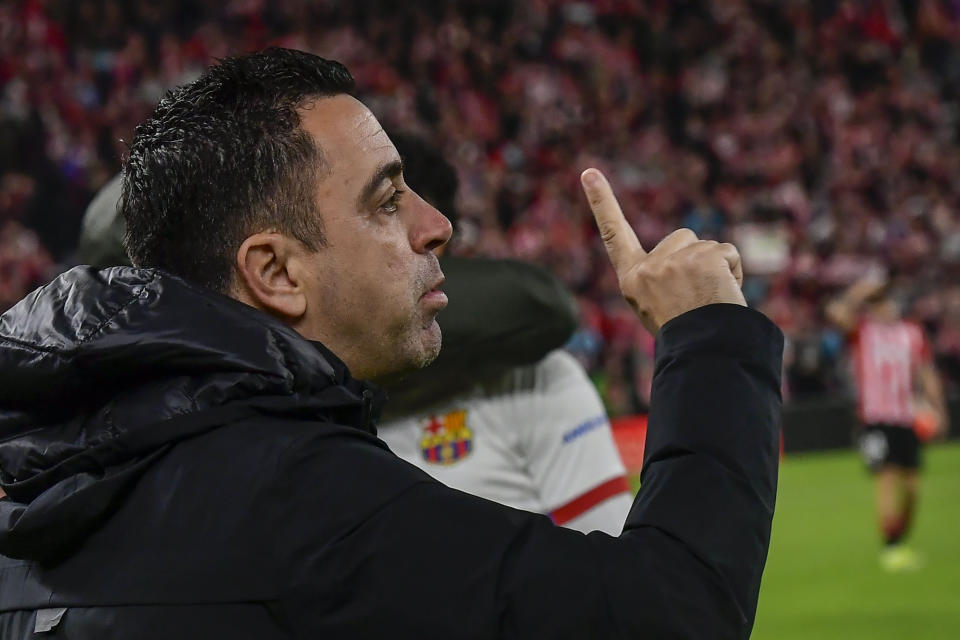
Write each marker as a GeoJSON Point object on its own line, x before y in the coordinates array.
{"type": "Point", "coordinates": [97, 353]}
{"type": "Point", "coordinates": [374, 397]}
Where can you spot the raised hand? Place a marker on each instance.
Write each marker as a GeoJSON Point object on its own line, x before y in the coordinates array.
{"type": "Point", "coordinates": [680, 274]}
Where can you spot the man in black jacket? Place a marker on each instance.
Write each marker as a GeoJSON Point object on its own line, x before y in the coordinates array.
{"type": "Point", "coordinates": [503, 313]}
{"type": "Point", "coordinates": [183, 458]}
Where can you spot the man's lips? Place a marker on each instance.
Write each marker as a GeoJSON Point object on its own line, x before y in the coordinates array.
{"type": "Point", "coordinates": [435, 295]}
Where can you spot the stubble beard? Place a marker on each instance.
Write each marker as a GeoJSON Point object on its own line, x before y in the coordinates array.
{"type": "Point", "coordinates": [414, 343]}
{"type": "Point", "coordinates": [422, 344]}
{"type": "Point", "coordinates": [424, 336]}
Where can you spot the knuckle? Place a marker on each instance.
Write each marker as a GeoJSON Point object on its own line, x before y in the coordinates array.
{"type": "Point", "coordinates": [730, 249]}
{"type": "Point", "coordinates": [646, 270]}
{"type": "Point", "coordinates": [666, 269]}
{"type": "Point", "coordinates": [608, 232]}
{"type": "Point", "coordinates": [677, 257]}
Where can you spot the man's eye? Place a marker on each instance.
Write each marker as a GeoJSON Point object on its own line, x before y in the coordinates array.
{"type": "Point", "coordinates": [393, 204]}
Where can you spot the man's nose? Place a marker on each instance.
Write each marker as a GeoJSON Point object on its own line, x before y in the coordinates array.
{"type": "Point", "coordinates": [430, 229]}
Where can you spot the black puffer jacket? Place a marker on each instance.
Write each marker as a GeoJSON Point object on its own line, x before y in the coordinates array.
{"type": "Point", "coordinates": [178, 465]}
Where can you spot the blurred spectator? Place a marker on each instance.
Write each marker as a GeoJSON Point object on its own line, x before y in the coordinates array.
{"type": "Point", "coordinates": [821, 136]}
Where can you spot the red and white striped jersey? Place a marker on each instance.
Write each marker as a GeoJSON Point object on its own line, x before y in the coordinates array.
{"type": "Point", "coordinates": [886, 357]}
{"type": "Point", "coordinates": [538, 439]}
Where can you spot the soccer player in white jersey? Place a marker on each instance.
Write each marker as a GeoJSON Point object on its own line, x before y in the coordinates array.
{"type": "Point", "coordinates": [892, 367]}
{"type": "Point", "coordinates": [534, 436]}
{"type": "Point", "coordinates": [536, 439]}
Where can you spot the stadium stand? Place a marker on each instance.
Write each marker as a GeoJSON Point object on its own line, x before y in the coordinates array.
{"type": "Point", "coordinates": [819, 136]}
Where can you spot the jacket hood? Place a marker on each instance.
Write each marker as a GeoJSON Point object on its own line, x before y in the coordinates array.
{"type": "Point", "coordinates": [102, 371]}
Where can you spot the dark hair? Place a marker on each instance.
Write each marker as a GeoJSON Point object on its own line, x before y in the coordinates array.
{"type": "Point", "coordinates": [224, 157]}
{"type": "Point", "coordinates": [428, 172]}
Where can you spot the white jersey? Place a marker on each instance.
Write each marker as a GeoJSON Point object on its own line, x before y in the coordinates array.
{"type": "Point", "coordinates": [538, 439]}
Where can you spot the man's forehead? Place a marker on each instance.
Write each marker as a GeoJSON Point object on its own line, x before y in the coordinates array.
{"type": "Point", "coordinates": [346, 131]}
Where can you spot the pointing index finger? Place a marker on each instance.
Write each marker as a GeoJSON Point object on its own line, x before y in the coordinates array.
{"type": "Point", "coordinates": [621, 242]}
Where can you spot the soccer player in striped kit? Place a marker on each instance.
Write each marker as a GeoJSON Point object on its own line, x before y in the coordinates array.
{"type": "Point", "coordinates": [893, 368]}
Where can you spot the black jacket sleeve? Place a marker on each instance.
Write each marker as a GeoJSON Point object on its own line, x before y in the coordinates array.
{"type": "Point", "coordinates": [502, 314]}
{"type": "Point", "coordinates": [426, 561]}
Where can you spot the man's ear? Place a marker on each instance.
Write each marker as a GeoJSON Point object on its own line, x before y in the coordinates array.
{"type": "Point", "coordinates": [269, 275]}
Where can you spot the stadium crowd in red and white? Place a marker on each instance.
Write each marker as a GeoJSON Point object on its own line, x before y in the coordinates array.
{"type": "Point", "coordinates": [819, 136]}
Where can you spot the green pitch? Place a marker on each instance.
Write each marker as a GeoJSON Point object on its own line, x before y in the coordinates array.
{"type": "Point", "coordinates": [823, 580]}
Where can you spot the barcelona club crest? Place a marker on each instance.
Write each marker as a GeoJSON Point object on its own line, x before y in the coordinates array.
{"type": "Point", "coordinates": [447, 438]}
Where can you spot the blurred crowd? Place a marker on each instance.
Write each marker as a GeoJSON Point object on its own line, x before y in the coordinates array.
{"type": "Point", "coordinates": [820, 136]}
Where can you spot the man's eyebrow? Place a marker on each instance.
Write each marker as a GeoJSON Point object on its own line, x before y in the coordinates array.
{"type": "Point", "coordinates": [386, 171]}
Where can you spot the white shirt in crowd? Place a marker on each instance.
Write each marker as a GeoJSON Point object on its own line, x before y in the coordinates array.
{"type": "Point", "coordinates": [537, 439]}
